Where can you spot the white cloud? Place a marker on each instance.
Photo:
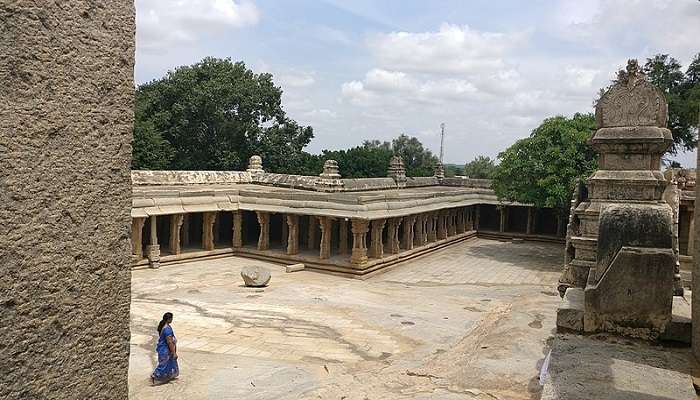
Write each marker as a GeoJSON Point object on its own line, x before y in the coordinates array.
{"type": "Point", "coordinates": [162, 23]}
{"type": "Point", "coordinates": [452, 49]}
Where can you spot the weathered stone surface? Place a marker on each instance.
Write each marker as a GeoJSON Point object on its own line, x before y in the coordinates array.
{"type": "Point", "coordinates": [255, 276]}
{"type": "Point", "coordinates": [294, 268]}
{"type": "Point", "coordinates": [570, 312]}
{"type": "Point", "coordinates": [66, 121]}
{"type": "Point", "coordinates": [630, 290]}
{"type": "Point", "coordinates": [695, 304]}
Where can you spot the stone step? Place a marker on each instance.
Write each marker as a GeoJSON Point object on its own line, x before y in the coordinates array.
{"type": "Point", "coordinates": [679, 330]}
{"type": "Point", "coordinates": [570, 311]}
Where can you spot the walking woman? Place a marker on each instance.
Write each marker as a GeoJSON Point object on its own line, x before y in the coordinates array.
{"type": "Point", "coordinates": [167, 368]}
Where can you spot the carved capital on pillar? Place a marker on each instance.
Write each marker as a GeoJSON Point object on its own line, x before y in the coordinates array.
{"type": "Point", "coordinates": [359, 241]}
{"type": "Point", "coordinates": [264, 236]}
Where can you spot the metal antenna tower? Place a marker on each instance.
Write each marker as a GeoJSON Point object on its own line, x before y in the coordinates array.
{"type": "Point", "coordinates": [442, 141]}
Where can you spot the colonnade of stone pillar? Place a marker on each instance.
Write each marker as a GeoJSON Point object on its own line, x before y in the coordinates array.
{"type": "Point", "coordinates": [402, 233]}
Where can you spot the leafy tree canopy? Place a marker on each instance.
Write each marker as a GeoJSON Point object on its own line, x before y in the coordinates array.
{"type": "Point", "coordinates": [482, 167]}
{"type": "Point", "coordinates": [543, 168]}
{"type": "Point", "coordinates": [682, 92]}
{"type": "Point", "coordinates": [214, 115]}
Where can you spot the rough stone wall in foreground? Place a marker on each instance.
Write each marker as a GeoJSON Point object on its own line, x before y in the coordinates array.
{"type": "Point", "coordinates": [695, 306]}
{"type": "Point", "coordinates": [66, 116]}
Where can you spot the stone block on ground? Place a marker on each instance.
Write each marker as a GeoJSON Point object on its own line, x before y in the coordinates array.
{"type": "Point", "coordinates": [255, 276]}
{"type": "Point", "coordinates": [295, 268]}
{"type": "Point", "coordinates": [679, 330]}
{"type": "Point", "coordinates": [570, 312]}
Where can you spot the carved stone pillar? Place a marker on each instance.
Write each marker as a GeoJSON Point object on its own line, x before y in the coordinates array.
{"type": "Point", "coordinates": [359, 241]}
{"type": "Point", "coordinates": [691, 233]}
{"type": "Point", "coordinates": [208, 220]}
{"type": "Point", "coordinates": [452, 225]}
{"type": "Point", "coordinates": [442, 226]}
{"type": "Point", "coordinates": [343, 236]}
{"type": "Point", "coordinates": [185, 230]}
{"type": "Point", "coordinates": [418, 230]}
{"type": "Point", "coordinates": [530, 220]}
{"type": "Point", "coordinates": [237, 229]}
{"type": "Point", "coordinates": [264, 236]}
{"type": "Point", "coordinates": [153, 249]}
{"type": "Point", "coordinates": [292, 234]}
{"type": "Point", "coordinates": [285, 232]}
{"type": "Point", "coordinates": [504, 215]}
{"type": "Point", "coordinates": [432, 227]}
{"type": "Point", "coordinates": [477, 215]}
{"type": "Point", "coordinates": [312, 233]}
{"type": "Point", "coordinates": [408, 223]}
{"type": "Point", "coordinates": [461, 221]}
{"type": "Point", "coordinates": [176, 221]}
{"type": "Point", "coordinates": [326, 225]}
{"type": "Point", "coordinates": [393, 235]}
{"type": "Point", "coordinates": [136, 236]}
{"type": "Point", "coordinates": [377, 246]}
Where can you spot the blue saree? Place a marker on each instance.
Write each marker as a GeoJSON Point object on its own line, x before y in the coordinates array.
{"type": "Point", "coordinates": [167, 368]}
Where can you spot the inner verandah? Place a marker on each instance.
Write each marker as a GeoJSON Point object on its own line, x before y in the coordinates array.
{"type": "Point", "coordinates": [318, 240]}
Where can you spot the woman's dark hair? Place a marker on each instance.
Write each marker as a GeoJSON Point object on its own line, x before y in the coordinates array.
{"type": "Point", "coordinates": [167, 317]}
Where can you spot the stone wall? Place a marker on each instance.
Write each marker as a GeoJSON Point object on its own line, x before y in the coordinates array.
{"type": "Point", "coordinates": [66, 117]}
{"type": "Point", "coordinates": [696, 273]}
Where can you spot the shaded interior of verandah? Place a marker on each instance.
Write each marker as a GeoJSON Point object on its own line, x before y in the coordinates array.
{"type": "Point", "coordinates": [352, 243]}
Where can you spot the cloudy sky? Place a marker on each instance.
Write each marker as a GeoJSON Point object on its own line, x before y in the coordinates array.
{"type": "Point", "coordinates": [491, 70]}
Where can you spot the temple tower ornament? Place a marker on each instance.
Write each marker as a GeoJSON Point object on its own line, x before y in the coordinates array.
{"type": "Point", "coordinates": [329, 179]}
{"type": "Point", "coordinates": [397, 171]}
{"type": "Point", "coordinates": [439, 171]}
{"type": "Point", "coordinates": [630, 140]}
{"type": "Point", "coordinates": [619, 266]}
{"type": "Point", "coordinates": [255, 166]}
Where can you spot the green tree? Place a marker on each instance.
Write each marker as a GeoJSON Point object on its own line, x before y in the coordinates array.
{"type": "Point", "coordinates": [682, 92]}
{"type": "Point", "coordinates": [214, 115]}
{"type": "Point", "coordinates": [543, 168]}
{"type": "Point", "coordinates": [482, 167]}
{"type": "Point", "coordinates": [418, 160]}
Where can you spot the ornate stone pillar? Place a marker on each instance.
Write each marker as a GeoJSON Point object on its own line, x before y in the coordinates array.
{"type": "Point", "coordinates": [461, 221]}
{"type": "Point", "coordinates": [326, 225]}
{"type": "Point", "coordinates": [312, 233]}
{"type": "Point", "coordinates": [503, 214]}
{"type": "Point", "coordinates": [691, 232]}
{"type": "Point", "coordinates": [477, 214]}
{"type": "Point", "coordinates": [442, 226]}
{"type": "Point", "coordinates": [418, 231]}
{"type": "Point", "coordinates": [530, 220]}
{"type": "Point", "coordinates": [208, 220]}
{"type": "Point", "coordinates": [237, 229]}
{"type": "Point", "coordinates": [393, 235]}
{"type": "Point", "coordinates": [408, 223]}
{"type": "Point", "coordinates": [432, 227]}
{"type": "Point", "coordinates": [343, 236]}
{"type": "Point", "coordinates": [264, 236]}
{"type": "Point", "coordinates": [185, 230]}
{"type": "Point", "coordinates": [377, 246]}
{"type": "Point", "coordinates": [153, 249]}
{"type": "Point", "coordinates": [285, 232]}
{"type": "Point", "coordinates": [292, 234]}
{"type": "Point", "coordinates": [452, 226]}
{"type": "Point", "coordinates": [359, 241]}
{"type": "Point", "coordinates": [176, 221]}
{"type": "Point", "coordinates": [136, 236]}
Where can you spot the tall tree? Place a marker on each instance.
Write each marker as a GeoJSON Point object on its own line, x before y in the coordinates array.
{"type": "Point", "coordinates": [418, 160]}
{"type": "Point", "coordinates": [481, 167]}
{"type": "Point", "coordinates": [543, 168]}
{"type": "Point", "coordinates": [682, 91]}
{"type": "Point", "coordinates": [214, 115]}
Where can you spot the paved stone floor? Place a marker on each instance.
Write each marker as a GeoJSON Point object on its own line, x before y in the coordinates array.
{"type": "Point", "coordinates": [471, 321]}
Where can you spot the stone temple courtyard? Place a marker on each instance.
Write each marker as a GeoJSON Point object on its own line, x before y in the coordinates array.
{"type": "Point", "coordinates": [471, 321]}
